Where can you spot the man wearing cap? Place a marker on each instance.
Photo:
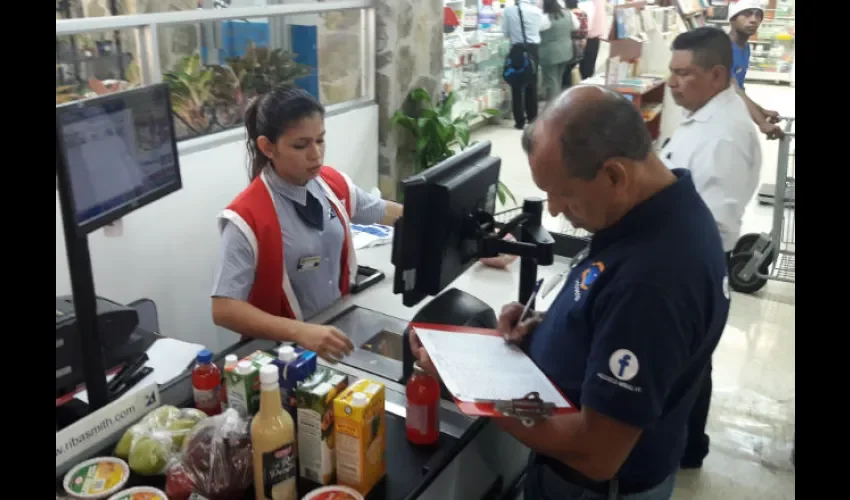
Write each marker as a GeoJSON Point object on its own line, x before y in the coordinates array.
{"type": "Point", "coordinates": [745, 17]}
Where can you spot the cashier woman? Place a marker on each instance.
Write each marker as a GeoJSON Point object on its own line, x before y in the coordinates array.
{"type": "Point", "coordinates": [630, 335]}
{"type": "Point", "coordinates": [286, 247]}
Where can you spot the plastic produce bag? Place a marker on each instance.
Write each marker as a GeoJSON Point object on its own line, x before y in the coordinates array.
{"type": "Point", "coordinates": [216, 462]}
{"type": "Point", "coordinates": [150, 445]}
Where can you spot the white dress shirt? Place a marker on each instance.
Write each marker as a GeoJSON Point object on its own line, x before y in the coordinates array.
{"type": "Point", "coordinates": [720, 146]}
{"type": "Point", "coordinates": [535, 22]}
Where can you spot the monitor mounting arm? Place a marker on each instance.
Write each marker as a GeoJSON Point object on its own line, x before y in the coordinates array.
{"type": "Point", "coordinates": [534, 245]}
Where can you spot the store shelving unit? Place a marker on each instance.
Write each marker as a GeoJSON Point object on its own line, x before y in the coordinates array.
{"type": "Point", "coordinates": [472, 63]}
{"type": "Point", "coordinates": [772, 49]}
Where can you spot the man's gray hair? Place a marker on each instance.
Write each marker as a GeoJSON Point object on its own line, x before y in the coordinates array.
{"type": "Point", "coordinates": [600, 129]}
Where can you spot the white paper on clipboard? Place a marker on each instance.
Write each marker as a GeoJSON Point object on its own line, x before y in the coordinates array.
{"type": "Point", "coordinates": [485, 367]}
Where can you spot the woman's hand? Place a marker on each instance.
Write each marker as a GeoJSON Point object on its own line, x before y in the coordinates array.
{"type": "Point", "coordinates": [326, 341]}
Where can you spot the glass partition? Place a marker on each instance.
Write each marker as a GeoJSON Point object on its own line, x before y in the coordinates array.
{"type": "Point", "coordinates": [215, 60]}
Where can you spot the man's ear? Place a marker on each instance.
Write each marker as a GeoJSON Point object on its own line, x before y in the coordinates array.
{"type": "Point", "coordinates": [265, 146]}
{"type": "Point", "coordinates": [614, 171]}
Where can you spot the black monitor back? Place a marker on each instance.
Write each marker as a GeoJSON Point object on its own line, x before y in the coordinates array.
{"type": "Point", "coordinates": [436, 240]}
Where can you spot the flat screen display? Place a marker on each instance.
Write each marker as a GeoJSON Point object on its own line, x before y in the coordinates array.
{"type": "Point", "coordinates": [119, 151]}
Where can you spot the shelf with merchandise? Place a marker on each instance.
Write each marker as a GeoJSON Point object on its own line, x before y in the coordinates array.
{"type": "Point", "coordinates": [472, 69]}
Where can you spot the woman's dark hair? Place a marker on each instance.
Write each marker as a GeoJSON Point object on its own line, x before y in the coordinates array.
{"type": "Point", "coordinates": [571, 4]}
{"type": "Point", "coordinates": [553, 8]}
{"type": "Point", "coordinates": [271, 114]}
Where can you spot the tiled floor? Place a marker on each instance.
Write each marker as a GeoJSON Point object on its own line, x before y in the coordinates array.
{"type": "Point", "coordinates": [752, 416]}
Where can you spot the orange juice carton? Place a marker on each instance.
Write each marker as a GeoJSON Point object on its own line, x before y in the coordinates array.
{"type": "Point", "coordinates": [314, 399]}
{"type": "Point", "coordinates": [360, 435]}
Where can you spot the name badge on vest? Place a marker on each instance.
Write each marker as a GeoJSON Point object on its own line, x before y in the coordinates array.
{"type": "Point", "coordinates": [331, 213]}
{"type": "Point", "coordinates": [309, 263]}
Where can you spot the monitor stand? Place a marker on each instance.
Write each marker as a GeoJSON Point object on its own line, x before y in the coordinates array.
{"type": "Point", "coordinates": [534, 246]}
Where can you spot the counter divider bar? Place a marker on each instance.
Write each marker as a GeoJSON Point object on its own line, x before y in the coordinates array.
{"type": "Point", "coordinates": [65, 27]}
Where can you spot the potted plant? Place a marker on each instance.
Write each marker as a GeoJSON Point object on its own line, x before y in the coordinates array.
{"type": "Point", "coordinates": [435, 132]}
{"type": "Point", "coordinates": [190, 84]}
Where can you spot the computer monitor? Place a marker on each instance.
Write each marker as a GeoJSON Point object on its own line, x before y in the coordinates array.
{"type": "Point", "coordinates": [119, 152]}
{"type": "Point", "coordinates": [439, 236]}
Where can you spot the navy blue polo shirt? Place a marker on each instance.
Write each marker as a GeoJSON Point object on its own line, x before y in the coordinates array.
{"type": "Point", "coordinates": [633, 329]}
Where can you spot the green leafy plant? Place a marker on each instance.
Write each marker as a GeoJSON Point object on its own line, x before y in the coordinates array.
{"type": "Point", "coordinates": [260, 69]}
{"type": "Point", "coordinates": [191, 84]}
{"type": "Point", "coordinates": [436, 132]}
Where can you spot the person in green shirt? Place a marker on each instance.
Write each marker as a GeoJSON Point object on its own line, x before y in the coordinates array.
{"type": "Point", "coordinates": [556, 48]}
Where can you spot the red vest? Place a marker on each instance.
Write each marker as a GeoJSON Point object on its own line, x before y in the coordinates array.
{"type": "Point", "coordinates": [253, 212]}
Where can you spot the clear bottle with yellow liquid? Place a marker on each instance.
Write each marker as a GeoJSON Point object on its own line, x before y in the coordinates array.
{"type": "Point", "coordinates": [273, 440]}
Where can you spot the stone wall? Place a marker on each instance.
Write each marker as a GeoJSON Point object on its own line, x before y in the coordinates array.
{"type": "Point", "coordinates": [409, 55]}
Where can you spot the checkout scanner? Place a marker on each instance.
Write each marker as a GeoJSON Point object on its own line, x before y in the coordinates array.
{"type": "Point", "coordinates": [120, 336]}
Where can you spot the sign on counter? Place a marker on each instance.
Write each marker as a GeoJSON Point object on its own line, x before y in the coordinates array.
{"type": "Point", "coordinates": [104, 425]}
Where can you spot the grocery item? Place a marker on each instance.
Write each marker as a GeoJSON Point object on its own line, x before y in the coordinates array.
{"type": "Point", "coordinates": [273, 442]}
{"type": "Point", "coordinates": [206, 383]}
{"type": "Point", "coordinates": [240, 386]}
{"type": "Point", "coordinates": [360, 432]}
{"type": "Point", "coordinates": [422, 424]}
{"type": "Point", "coordinates": [295, 366]}
{"type": "Point", "coordinates": [334, 492]}
{"type": "Point", "coordinates": [96, 478]}
{"type": "Point", "coordinates": [216, 461]}
{"type": "Point", "coordinates": [314, 398]}
{"type": "Point", "coordinates": [243, 382]}
{"type": "Point", "coordinates": [150, 444]}
{"type": "Point", "coordinates": [140, 493]}
{"type": "Point", "coordinates": [229, 360]}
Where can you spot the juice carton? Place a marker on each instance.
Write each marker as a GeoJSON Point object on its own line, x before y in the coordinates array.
{"type": "Point", "coordinates": [360, 432]}
{"type": "Point", "coordinates": [243, 382]}
{"type": "Point", "coordinates": [295, 365]}
{"type": "Point", "coordinates": [314, 397]}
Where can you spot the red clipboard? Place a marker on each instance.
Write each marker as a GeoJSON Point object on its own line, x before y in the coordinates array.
{"type": "Point", "coordinates": [528, 407]}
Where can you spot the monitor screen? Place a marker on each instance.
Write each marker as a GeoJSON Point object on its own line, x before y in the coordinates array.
{"type": "Point", "coordinates": [119, 151]}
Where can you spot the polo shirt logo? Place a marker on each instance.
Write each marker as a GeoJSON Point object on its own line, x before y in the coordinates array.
{"type": "Point", "coordinates": [589, 275]}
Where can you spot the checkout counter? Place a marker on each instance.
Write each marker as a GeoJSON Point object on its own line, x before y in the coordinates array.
{"type": "Point", "coordinates": [473, 458]}
{"type": "Point", "coordinates": [451, 224]}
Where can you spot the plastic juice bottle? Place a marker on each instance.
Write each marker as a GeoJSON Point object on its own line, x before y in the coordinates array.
{"type": "Point", "coordinates": [229, 360]}
{"type": "Point", "coordinates": [206, 384]}
{"type": "Point", "coordinates": [273, 442]}
{"type": "Point", "coordinates": [422, 425]}
{"type": "Point", "coordinates": [487, 15]}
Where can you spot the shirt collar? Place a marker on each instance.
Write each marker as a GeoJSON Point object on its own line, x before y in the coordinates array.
{"type": "Point", "coordinates": [640, 217]}
{"type": "Point", "coordinates": [720, 100]}
{"type": "Point", "coordinates": [298, 194]}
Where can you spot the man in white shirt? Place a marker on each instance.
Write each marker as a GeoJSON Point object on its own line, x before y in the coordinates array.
{"type": "Point", "coordinates": [524, 97]}
{"type": "Point", "coordinates": [719, 144]}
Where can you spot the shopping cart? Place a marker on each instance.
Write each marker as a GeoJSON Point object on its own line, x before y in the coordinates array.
{"type": "Point", "coordinates": [758, 257]}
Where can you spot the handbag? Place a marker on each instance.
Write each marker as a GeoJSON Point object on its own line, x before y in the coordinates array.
{"type": "Point", "coordinates": [520, 69]}
{"type": "Point", "coordinates": [579, 37]}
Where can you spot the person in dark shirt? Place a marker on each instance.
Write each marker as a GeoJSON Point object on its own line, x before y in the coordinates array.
{"type": "Point", "coordinates": [629, 337]}
{"type": "Point", "coordinates": [745, 17]}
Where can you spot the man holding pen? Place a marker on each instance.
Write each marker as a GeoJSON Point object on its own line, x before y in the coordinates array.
{"type": "Point", "coordinates": [633, 328]}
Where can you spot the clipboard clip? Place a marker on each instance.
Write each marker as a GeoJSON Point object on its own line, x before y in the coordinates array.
{"type": "Point", "coordinates": [529, 409]}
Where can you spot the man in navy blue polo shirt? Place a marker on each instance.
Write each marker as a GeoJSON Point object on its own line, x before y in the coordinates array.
{"type": "Point", "coordinates": [630, 335]}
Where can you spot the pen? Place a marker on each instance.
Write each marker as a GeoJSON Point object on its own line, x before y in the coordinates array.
{"type": "Point", "coordinates": [127, 371]}
{"type": "Point", "coordinates": [130, 382]}
{"type": "Point", "coordinates": [530, 300]}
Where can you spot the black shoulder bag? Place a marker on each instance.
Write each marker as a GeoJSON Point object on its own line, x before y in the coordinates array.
{"type": "Point", "coordinates": [519, 67]}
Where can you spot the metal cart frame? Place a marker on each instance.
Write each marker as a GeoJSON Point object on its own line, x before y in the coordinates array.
{"type": "Point", "coordinates": [758, 258]}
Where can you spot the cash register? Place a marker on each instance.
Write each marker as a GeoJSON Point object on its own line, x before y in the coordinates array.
{"type": "Point", "coordinates": [121, 339]}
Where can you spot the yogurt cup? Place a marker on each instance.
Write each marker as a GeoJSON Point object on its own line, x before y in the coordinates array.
{"type": "Point", "coordinates": [96, 478]}
{"type": "Point", "coordinates": [334, 492]}
{"type": "Point", "coordinates": [140, 493]}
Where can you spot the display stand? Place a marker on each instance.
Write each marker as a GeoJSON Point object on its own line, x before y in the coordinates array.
{"type": "Point", "coordinates": [82, 288]}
